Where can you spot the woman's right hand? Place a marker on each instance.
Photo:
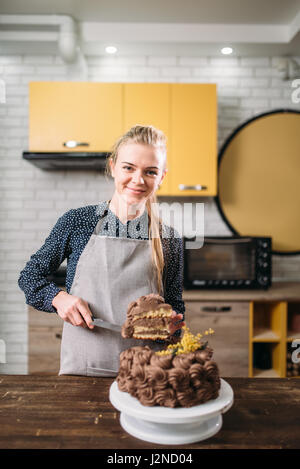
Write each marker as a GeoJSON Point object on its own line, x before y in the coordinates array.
{"type": "Point", "coordinates": [73, 309]}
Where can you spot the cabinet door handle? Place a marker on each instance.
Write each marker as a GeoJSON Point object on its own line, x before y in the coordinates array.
{"type": "Point", "coordinates": [73, 144]}
{"type": "Point", "coordinates": [197, 187]}
{"type": "Point", "coordinates": [216, 309]}
{"type": "Point", "coordinates": [58, 336]}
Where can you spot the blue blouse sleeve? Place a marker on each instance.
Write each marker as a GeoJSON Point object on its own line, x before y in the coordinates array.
{"type": "Point", "coordinates": [39, 292]}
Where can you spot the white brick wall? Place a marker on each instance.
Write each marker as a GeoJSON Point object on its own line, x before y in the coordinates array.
{"type": "Point", "coordinates": [31, 200]}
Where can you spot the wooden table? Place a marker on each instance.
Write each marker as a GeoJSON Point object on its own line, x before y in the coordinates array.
{"type": "Point", "coordinates": [65, 412]}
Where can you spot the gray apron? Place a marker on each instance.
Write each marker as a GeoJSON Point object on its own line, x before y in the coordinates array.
{"type": "Point", "coordinates": [111, 273]}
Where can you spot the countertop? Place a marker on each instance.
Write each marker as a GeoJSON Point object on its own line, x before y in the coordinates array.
{"type": "Point", "coordinates": [65, 412]}
{"type": "Point", "coordinates": [279, 291]}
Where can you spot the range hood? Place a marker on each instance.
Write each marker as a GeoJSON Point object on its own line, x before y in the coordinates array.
{"type": "Point", "coordinates": [67, 160]}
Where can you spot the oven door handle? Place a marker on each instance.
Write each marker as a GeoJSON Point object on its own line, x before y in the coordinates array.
{"type": "Point", "coordinates": [216, 309]}
{"type": "Point", "coordinates": [228, 240]}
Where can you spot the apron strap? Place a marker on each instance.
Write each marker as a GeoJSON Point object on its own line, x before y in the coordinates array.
{"type": "Point", "coordinates": [101, 219]}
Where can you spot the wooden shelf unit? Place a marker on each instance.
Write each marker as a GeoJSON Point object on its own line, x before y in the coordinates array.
{"type": "Point", "coordinates": [257, 318]}
{"type": "Point", "coordinates": [270, 325]}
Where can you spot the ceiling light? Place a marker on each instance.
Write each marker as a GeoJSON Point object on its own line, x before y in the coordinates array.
{"type": "Point", "coordinates": [227, 50]}
{"type": "Point", "coordinates": [111, 49]}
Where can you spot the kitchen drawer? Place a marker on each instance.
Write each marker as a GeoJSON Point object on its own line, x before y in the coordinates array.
{"type": "Point", "coordinates": [44, 339]}
{"type": "Point", "coordinates": [44, 350]}
{"type": "Point", "coordinates": [230, 321]}
{"type": "Point", "coordinates": [38, 318]}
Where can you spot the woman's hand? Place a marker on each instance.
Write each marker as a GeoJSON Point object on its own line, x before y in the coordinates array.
{"type": "Point", "coordinates": [73, 309]}
{"type": "Point", "coordinates": [176, 323]}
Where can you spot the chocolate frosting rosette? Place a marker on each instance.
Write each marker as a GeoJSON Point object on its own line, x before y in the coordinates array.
{"type": "Point", "coordinates": [182, 375]}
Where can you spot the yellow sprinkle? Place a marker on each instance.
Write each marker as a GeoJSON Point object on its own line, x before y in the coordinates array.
{"type": "Point", "coordinates": [188, 343]}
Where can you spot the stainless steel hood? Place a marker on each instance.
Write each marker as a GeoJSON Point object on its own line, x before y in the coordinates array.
{"type": "Point", "coordinates": [67, 160]}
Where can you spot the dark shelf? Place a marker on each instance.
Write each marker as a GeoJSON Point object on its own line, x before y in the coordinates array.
{"type": "Point", "coordinates": [64, 160]}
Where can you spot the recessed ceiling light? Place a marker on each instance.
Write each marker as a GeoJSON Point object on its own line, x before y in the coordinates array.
{"type": "Point", "coordinates": [111, 49]}
{"type": "Point", "coordinates": [227, 50]}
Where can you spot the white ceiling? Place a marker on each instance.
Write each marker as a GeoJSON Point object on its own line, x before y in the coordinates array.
{"type": "Point", "coordinates": [162, 11]}
{"type": "Point", "coordinates": [252, 27]}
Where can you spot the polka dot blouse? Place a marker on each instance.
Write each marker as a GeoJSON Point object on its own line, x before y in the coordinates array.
{"type": "Point", "coordinates": [68, 239]}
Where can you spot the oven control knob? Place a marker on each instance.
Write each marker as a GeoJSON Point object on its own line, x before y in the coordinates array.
{"type": "Point", "coordinates": [264, 244]}
{"type": "Point", "coordinates": [263, 264]}
{"type": "Point", "coordinates": [263, 254]}
{"type": "Point", "coordinates": [262, 280]}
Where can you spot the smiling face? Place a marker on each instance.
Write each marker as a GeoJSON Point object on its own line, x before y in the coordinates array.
{"type": "Point", "coordinates": [138, 171]}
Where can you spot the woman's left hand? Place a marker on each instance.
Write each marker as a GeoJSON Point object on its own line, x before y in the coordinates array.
{"type": "Point", "coordinates": [177, 322]}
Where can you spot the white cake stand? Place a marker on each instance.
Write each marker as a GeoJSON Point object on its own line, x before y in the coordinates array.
{"type": "Point", "coordinates": [171, 426]}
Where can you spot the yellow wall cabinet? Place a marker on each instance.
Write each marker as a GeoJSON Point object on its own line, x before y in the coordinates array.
{"type": "Point", "coordinates": [193, 149]}
{"type": "Point", "coordinates": [149, 104]}
{"type": "Point", "coordinates": [96, 114]}
{"type": "Point", "coordinates": [87, 113]}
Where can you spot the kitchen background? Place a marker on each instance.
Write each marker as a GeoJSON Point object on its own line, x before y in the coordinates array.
{"type": "Point", "coordinates": [32, 199]}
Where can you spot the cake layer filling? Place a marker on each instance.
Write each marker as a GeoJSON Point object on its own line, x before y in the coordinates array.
{"type": "Point", "coordinates": [149, 330]}
{"type": "Point", "coordinates": [155, 322]}
{"type": "Point", "coordinates": [151, 335]}
{"type": "Point", "coordinates": [159, 313]}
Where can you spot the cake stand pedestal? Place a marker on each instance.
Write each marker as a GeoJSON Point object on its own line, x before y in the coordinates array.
{"type": "Point", "coordinates": [168, 426]}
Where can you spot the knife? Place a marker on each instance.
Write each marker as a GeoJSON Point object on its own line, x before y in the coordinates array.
{"type": "Point", "coordinates": [105, 324]}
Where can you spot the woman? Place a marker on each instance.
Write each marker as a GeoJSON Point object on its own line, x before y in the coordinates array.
{"type": "Point", "coordinates": [117, 251]}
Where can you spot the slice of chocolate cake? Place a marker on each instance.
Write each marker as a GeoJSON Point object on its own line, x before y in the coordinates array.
{"type": "Point", "coordinates": [148, 317]}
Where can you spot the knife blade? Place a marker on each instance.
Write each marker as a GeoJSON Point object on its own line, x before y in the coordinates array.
{"type": "Point", "coordinates": [106, 325]}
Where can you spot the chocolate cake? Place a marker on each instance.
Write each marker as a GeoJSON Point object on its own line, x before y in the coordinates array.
{"type": "Point", "coordinates": [183, 375]}
{"type": "Point", "coordinates": [148, 317]}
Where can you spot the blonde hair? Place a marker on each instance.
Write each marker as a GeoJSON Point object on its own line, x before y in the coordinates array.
{"type": "Point", "coordinates": [147, 135]}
